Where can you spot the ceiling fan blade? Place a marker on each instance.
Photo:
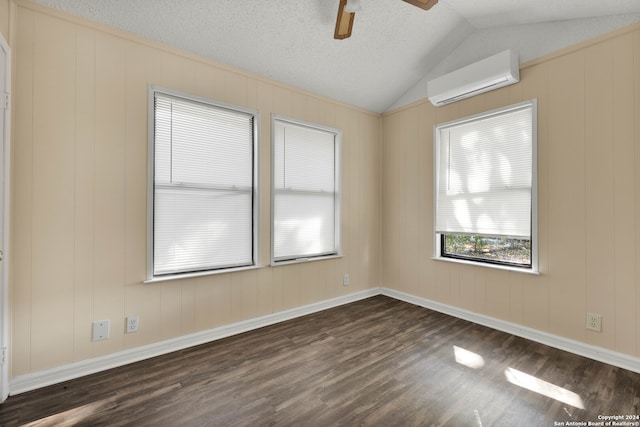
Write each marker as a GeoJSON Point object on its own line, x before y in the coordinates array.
{"type": "Point", "coordinates": [423, 4]}
{"type": "Point", "coordinates": [344, 22]}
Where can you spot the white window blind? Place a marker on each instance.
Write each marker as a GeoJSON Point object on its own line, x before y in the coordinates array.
{"type": "Point", "coordinates": [484, 174]}
{"type": "Point", "coordinates": [306, 193]}
{"type": "Point", "coordinates": [203, 186]}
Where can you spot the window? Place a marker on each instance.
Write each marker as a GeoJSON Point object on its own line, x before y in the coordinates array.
{"type": "Point", "coordinates": [305, 198]}
{"type": "Point", "coordinates": [485, 188]}
{"type": "Point", "coordinates": [202, 185]}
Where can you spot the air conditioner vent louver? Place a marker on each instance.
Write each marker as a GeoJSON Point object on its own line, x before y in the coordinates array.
{"type": "Point", "coordinates": [491, 73]}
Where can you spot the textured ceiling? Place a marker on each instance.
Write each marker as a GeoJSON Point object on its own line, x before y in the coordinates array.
{"type": "Point", "coordinates": [393, 47]}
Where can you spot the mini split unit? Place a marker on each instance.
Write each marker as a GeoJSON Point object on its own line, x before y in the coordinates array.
{"type": "Point", "coordinates": [491, 73]}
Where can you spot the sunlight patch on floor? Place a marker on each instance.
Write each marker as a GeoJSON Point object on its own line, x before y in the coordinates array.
{"type": "Point", "coordinates": [542, 387]}
{"type": "Point", "coordinates": [468, 358]}
{"type": "Point", "coordinates": [72, 416]}
{"type": "Point", "coordinates": [476, 414]}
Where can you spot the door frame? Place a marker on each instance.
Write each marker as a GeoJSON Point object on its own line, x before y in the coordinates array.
{"type": "Point", "coordinates": [5, 109]}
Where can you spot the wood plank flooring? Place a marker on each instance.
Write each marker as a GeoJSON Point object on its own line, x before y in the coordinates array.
{"type": "Point", "coordinates": [378, 362]}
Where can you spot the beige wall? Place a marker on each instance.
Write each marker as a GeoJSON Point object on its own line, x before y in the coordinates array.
{"type": "Point", "coordinates": [79, 195]}
{"type": "Point", "coordinates": [589, 199]}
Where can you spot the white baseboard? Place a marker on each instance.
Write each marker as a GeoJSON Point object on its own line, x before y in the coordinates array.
{"type": "Point", "coordinates": [592, 352]}
{"type": "Point", "coordinates": [35, 380]}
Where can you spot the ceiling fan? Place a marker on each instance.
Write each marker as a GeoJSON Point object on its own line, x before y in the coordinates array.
{"type": "Point", "coordinates": [347, 11]}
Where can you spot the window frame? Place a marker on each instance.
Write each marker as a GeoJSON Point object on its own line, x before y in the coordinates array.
{"type": "Point", "coordinates": [439, 238]}
{"type": "Point", "coordinates": [337, 253]}
{"type": "Point", "coordinates": [255, 209]}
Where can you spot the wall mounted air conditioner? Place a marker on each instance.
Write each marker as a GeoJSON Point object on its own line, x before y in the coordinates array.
{"type": "Point", "coordinates": [491, 73]}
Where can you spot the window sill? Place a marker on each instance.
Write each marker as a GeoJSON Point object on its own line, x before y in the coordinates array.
{"type": "Point", "coordinates": [201, 273]}
{"type": "Point", "coordinates": [302, 260]}
{"type": "Point", "coordinates": [533, 271]}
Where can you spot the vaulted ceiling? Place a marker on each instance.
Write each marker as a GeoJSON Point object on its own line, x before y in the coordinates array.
{"type": "Point", "coordinates": [394, 48]}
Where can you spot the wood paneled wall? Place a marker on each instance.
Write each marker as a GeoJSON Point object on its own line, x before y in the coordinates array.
{"type": "Point", "coordinates": [589, 199]}
{"type": "Point", "coordinates": [79, 194]}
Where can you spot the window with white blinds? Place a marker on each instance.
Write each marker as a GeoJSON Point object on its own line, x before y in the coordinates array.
{"type": "Point", "coordinates": [485, 177]}
{"type": "Point", "coordinates": [306, 191]}
{"type": "Point", "coordinates": [203, 183]}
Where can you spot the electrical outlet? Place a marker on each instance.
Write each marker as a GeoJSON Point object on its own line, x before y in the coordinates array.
{"type": "Point", "coordinates": [100, 330]}
{"type": "Point", "coordinates": [132, 324]}
{"type": "Point", "coordinates": [594, 322]}
{"type": "Point", "coordinates": [345, 280]}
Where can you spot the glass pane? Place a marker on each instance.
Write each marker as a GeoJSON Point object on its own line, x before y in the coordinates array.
{"type": "Point", "coordinates": [304, 158]}
{"type": "Point", "coordinates": [198, 230]}
{"type": "Point", "coordinates": [304, 224]}
{"type": "Point", "coordinates": [499, 250]}
{"type": "Point", "coordinates": [201, 144]}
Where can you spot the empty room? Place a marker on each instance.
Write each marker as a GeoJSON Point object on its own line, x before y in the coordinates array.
{"type": "Point", "coordinates": [320, 213]}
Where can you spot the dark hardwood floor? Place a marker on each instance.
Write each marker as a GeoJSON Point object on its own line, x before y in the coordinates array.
{"type": "Point", "coordinates": [377, 362]}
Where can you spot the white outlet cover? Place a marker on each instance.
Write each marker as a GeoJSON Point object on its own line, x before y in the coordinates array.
{"type": "Point", "coordinates": [594, 322]}
{"type": "Point", "coordinates": [132, 324]}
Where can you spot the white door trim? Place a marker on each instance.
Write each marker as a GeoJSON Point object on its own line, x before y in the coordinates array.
{"type": "Point", "coordinates": [5, 87]}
